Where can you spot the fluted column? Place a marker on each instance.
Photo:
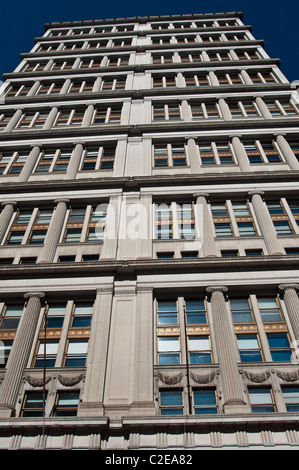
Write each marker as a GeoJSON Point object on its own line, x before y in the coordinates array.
{"type": "Point", "coordinates": [54, 231]}
{"type": "Point", "coordinates": [206, 225]}
{"type": "Point", "coordinates": [225, 111]}
{"type": "Point", "coordinates": [5, 217]}
{"type": "Point", "coordinates": [265, 223]}
{"type": "Point", "coordinates": [34, 88]}
{"type": "Point", "coordinates": [88, 116]}
{"type": "Point", "coordinates": [29, 165]}
{"type": "Point", "coordinates": [50, 119]}
{"type": "Point", "coordinates": [74, 161]}
{"type": "Point", "coordinates": [14, 120]}
{"type": "Point", "coordinates": [241, 154]}
{"type": "Point", "coordinates": [233, 399]}
{"type": "Point", "coordinates": [287, 152]}
{"type": "Point", "coordinates": [19, 354]}
{"type": "Point", "coordinates": [291, 300]}
{"type": "Point", "coordinates": [263, 108]}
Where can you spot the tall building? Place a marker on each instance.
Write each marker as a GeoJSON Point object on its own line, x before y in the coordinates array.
{"type": "Point", "coordinates": [149, 239]}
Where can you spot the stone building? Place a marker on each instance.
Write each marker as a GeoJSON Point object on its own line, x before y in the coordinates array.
{"type": "Point", "coordinates": [149, 239]}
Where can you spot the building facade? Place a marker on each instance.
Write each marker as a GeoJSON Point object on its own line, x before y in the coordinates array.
{"type": "Point", "coordinates": [149, 237]}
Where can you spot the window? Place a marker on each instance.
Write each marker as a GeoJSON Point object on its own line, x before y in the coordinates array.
{"type": "Point", "coordinates": [34, 119]}
{"type": "Point", "coordinates": [5, 348]}
{"type": "Point", "coordinates": [291, 398]}
{"type": "Point", "coordinates": [171, 402]}
{"type": "Point", "coordinates": [196, 80]}
{"type": "Point", "coordinates": [74, 225]}
{"type": "Point", "coordinates": [205, 111]}
{"type": "Point", "coordinates": [244, 109]}
{"type": "Point", "coordinates": [166, 112]}
{"type": "Point", "coordinates": [40, 227]}
{"type": "Point", "coordinates": [110, 114]}
{"type": "Point", "coordinates": [76, 353]}
{"type": "Point", "coordinates": [46, 354]}
{"type": "Point", "coordinates": [170, 155]}
{"type": "Point", "coordinates": [204, 401]}
{"type": "Point", "coordinates": [163, 221]}
{"type": "Point", "coordinates": [66, 403]}
{"type": "Point", "coordinates": [169, 350]}
{"type": "Point", "coordinates": [166, 81]}
{"type": "Point", "coordinates": [82, 314]}
{"type": "Point", "coordinates": [261, 400]}
{"type": "Point", "coordinates": [112, 83]}
{"type": "Point", "coordinates": [279, 347]}
{"type": "Point", "coordinates": [195, 311]}
{"type": "Point", "coordinates": [186, 221]}
{"type": "Point", "coordinates": [269, 309]}
{"type": "Point", "coordinates": [199, 350]}
{"type": "Point", "coordinates": [73, 117]}
{"type": "Point", "coordinates": [167, 311]}
{"type": "Point", "coordinates": [282, 107]}
{"type": "Point", "coordinates": [98, 158]}
{"type": "Point", "coordinates": [11, 315]}
{"type": "Point", "coordinates": [249, 348]}
{"type": "Point", "coordinates": [33, 405]}
{"type": "Point", "coordinates": [241, 310]}
{"type": "Point", "coordinates": [55, 315]}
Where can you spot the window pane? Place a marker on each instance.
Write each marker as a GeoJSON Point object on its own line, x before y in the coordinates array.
{"type": "Point", "coordinates": [167, 313]}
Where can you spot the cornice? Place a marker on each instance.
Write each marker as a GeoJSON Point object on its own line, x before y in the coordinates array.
{"type": "Point", "coordinates": [143, 19]}
{"type": "Point", "coordinates": [130, 269]}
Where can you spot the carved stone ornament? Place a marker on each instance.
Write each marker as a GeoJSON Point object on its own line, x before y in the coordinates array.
{"type": "Point", "coordinates": [37, 381]}
{"type": "Point", "coordinates": [203, 379]}
{"type": "Point", "coordinates": [257, 377]}
{"type": "Point", "coordinates": [288, 376]}
{"type": "Point", "coordinates": [170, 380]}
{"type": "Point", "coordinates": [70, 381]}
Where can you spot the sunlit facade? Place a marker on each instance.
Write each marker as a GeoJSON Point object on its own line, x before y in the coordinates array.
{"type": "Point", "coordinates": [149, 236]}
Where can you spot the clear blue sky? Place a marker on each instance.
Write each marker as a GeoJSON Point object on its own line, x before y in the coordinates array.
{"type": "Point", "coordinates": [274, 22]}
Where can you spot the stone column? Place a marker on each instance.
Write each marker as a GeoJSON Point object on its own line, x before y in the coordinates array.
{"type": "Point", "coordinates": [97, 85]}
{"type": "Point", "coordinates": [225, 111]}
{"type": "Point", "coordinates": [14, 120]}
{"type": "Point", "coordinates": [65, 87]}
{"type": "Point", "coordinates": [263, 108]}
{"type": "Point", "coordinates": [291, 300]}
{"type": "Point", "coordinates": [29, 165]}
{"type": "Point", "coordinates": [5, 217]}
{"type": "Point", "coordinates": [50, 119]}
{"type": "Point", "coordinates": [206, 225]}
{"type": "Point", "coordinates": [246, 77]}
{"type": "Point", "coordinates": [19, 354]}
{"type": "Point", "coordinates": [54, 231]}
{"type": "Point", "coordinates": [240, 153]}
{"type": "Point", "coordinates": [287, 152]}
{"type": "Point", "coordinates": [265, 223]}
{"type": "Point", "coordinates": [88, 116]}
{"type": "Point", "coordinates": [193, 155]}
{"type": "Point", "coordinates": [33, 89]}
{"type": "Point", "coordinates": [233, 398]}
{"type": "Point", "coordinates": [74, 161]}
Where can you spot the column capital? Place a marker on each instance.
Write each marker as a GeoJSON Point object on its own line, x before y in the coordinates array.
{"type": "Point", "coordinates": [39, 295]}
{"type": "Point", "coordinates": [11, 203]}
{"type": "Point", "coordinates": [284, 287]}
{"type": "Point", "coordinates": [256, 191]}
{"type": "Point", "coordinates": [56, 201]}
{"type": "Point", "coordinates": [222, 289]}
{"type": "Point", "coordinates": [201, 194]}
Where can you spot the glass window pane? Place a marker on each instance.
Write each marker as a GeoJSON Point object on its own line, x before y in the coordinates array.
{"type": "Point", "coordinates": [76, 347]}
{"type": "Point", "coordinates": [169, 343]}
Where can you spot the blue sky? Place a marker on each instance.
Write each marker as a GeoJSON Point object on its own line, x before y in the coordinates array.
{"type": "Point", "coordinates": [274, 22]}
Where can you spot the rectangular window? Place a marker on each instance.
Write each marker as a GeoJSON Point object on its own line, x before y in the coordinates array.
{"type": "Point", "coordinates": [55, 315]}
{"type": "Point", "coordinates": [279, 347]}
{"type": "Point", "coordinates": [261, 400]}
{"type": "Point", "coordinates": [249, 348]}
{"type": "Point", "coordinates": [241, 310]}
{"type": "Point", "coordinates": [269, 309]}
{"type": "Point", "coordinates": [76, 353]}
{"type": "Point", "coordinates": [171, 402]}
{"type": "Point", "coordinates": [199, 350]}
{"type": "Point", "coordinates": [164, 222]}
{"type": "Point", "coordinates": [5, 348]}
{"type": "Point", "coordinates": [11, 315]}
{"type": "Point", "coordinates": [66, 403]}
{"type": "Point", "coordinates": [204, 401]}
{"type": "Point", "coordinates": [291, 398]}
{"type": "Point", "coordinates": [169, 350]}
{"type": "Point", "coordinates": [195, 311]}
{"type": "Point", "coordinates": [33, 405]}
{"type": "Point", "coordinates": [167, 312]}
{"type": "Point", "coordinates": [82, 314]}
{"type": "Point", "coordinates": [46, 354]}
